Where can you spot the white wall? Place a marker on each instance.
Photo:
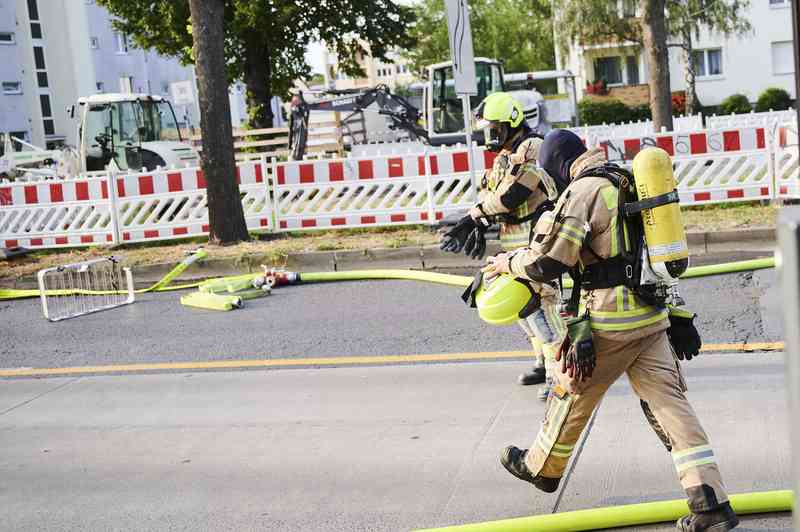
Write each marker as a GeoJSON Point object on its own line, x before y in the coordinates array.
{"type": "Point", "coordinates": [750, 64]}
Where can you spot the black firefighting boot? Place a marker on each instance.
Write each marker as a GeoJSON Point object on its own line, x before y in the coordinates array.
{"type": "Point", "coordinates": [707, 513]}
{"type": "Point", "coordinates": [513, 459]}
{"type": "Point", "coordinates": [535, 376]}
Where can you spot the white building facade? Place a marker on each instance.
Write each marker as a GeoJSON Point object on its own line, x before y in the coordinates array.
{"type": "Point", "coordinates": [746, 64]}
{"type": "Point", "coordinates": [54, 51]}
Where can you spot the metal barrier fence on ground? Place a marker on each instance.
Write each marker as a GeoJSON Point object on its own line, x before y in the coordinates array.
{"type": "Point", "coordinates": [406, 187]}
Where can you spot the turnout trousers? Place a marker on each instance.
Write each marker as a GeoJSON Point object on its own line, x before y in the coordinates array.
{"type": "Point", "coordinates": [655, 376]}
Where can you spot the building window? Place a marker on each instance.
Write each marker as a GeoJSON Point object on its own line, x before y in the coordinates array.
{"type": "Point", "coordinates": [49, 127]}
{"type": "Point", "coordinates": [777, 3]}
{"type": "Point", "coordinates": [608, 69]}
{"type": "Point", "coordinates": [122, 43]}
{"type": "Point", "coordinates": [707, 62]}
{"type": "Point", "coordinates": [632, 66]}
{"type": "Point", "coordinates": [100, 87]}
{"type": "Point", "coordinates": [6, 37]}
{"type": "Point", "coordinates": [165, 88]}
{"type": "Point", "coordinates": [36, 30]}
{"type": "Point", "coordinates": [782, 57]}
{"type": "Point", "coordinates": [47, 111]}
{"type": "Point", "coordinates": [41, 79]}
{"type": "Point", "coordinates": [38, 57]}
{"type": "Point", "coordinates": [12, 87]}
{"type": "Point", "coordinates": [628, 8]}
{"type": "Point", "coordinates": [94, 43]}
{"type": "Point", "coordinates": [126, 84]}
{"type": "Point", "coordinates": [33, 10]}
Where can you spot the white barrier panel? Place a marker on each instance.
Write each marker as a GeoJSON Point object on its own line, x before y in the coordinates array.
{"type": "Point", "coordinates": [689, 144]}
{"type": "Point", "coordinates": [750, 119]}
{"type": "Point", "coordinates": [390, 189]}
{"type": "Point", "coordinates": [64, 213]}
{"type": "Point", "coordinates": [724, 178]}
{"type": "Point", "coordinates": [167, 204]}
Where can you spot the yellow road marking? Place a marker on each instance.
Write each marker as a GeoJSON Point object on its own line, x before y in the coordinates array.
{"type": "Point", "coordinates": [324, 361]}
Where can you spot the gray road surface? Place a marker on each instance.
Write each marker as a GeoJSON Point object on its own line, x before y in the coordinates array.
{"type": "Point", "coordinates": [366, 448]}
{"type": "Point", "coordinates": [356, 318]}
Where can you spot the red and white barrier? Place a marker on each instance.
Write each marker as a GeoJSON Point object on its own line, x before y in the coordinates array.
{"type": "Point", "coordinates": [389, 189]}
{"type": "Point", "coordinates": [711, 166]}
{"type": "Point", "coordinates": [64, 213]}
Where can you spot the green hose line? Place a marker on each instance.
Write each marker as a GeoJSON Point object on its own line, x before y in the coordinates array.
{"type": "Point", "coordinates": [162, 285]}
{"type": "Point", "coordinates": [626, 515]}
{"type": "Point", "coordinates": [412, 275]}
{"type": "Point", "coordinates": [730, 267]}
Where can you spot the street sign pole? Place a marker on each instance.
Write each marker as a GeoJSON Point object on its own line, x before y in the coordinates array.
{"type": "Point", "coordinates": [789, 272]}
{"type": "Point", "coordinates": [463, 58]}
{"type": "Point", "coordinates": [789, 267]}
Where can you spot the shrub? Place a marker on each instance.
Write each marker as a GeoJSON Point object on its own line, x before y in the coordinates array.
{"type": "Point", "coordinates": [595, 112]}
{"type": "Point", "coordinates": [775, 99]}
{"type": "Point", "coordinates": [735, 104]}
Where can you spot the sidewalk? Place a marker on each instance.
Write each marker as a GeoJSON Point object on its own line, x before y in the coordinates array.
{"type": "Point", "coordinates": [363, 448]}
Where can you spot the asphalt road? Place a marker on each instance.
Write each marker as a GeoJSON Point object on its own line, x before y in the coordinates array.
{"type": "Point", "coordinates": [337, 319]}
{"type": "Point", "coordinates": [358, 449]}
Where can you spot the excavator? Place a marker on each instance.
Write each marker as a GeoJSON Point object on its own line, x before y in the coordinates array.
{"type": "Point", "coordinates": [441, 122]}
{"type": "Point", "coordinates": [118, 131]}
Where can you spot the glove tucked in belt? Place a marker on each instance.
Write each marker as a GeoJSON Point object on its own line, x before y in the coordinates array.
{"type": "Point", "coordinates": [683, 334]}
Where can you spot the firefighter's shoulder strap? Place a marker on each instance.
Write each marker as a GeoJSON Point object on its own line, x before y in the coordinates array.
{"type": "Point", "coordinates": [620, 269]}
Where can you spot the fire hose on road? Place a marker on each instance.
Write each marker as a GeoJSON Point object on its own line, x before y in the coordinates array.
{"type": "Point", "coordinates": [164, 285]}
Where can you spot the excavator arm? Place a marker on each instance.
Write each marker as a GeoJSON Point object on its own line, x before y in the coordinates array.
{"type": "Point", "coordinates": [401, 113]}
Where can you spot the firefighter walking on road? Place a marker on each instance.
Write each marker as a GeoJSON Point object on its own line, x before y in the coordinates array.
{"type": "Point", "coordinates": [624, 325]}
{"type": "Point", "coordinates": [515, 192]}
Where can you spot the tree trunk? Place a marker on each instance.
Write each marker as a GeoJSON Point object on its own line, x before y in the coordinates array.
{"type": "Point", "coordinates": [654, 33]}
{"type": "Point", "coordinates": [225, 215]}
{"type": "Point", "coordinates": [691, 91]}
{"type": "Point", "coordinates": [258, 81]}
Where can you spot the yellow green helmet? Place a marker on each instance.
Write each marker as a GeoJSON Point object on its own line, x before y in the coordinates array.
{"type": "Point", "coordinates": [503, 300]}
{"type": "Point", "coordinates": [499, 116]}
{"type": "Point", "coordinates": [500, 107]}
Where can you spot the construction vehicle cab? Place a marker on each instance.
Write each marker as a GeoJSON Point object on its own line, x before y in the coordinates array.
{"type": "Point", "coordinates": [131, 132]}
{"type": "Point", "coordinates": [445, 120]}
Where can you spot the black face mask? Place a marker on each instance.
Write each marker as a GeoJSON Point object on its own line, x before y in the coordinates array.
{"type": "Point", "coordinates": [559, 150]}
{"type": "Point", "coordinates": [496, 135]}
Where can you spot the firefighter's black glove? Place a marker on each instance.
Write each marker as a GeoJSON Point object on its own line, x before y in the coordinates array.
{"type": "Point", "coordinates": [683, 334]}
{"type": "Point", "coordinates": [476, 244]}
{"type": "Point", "coordinates": [455, 238]}
{"type": "Point", "coordinates": [578, 360]}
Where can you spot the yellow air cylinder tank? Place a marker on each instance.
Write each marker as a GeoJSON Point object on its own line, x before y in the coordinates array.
{"type": "Point", "coordinates": [663, 227]}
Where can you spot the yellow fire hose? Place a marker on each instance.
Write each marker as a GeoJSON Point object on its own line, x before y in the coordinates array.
{"type": "Point", "coordinates": [413, 275]}
{"type": "Point", "coordinates": [626, 515]}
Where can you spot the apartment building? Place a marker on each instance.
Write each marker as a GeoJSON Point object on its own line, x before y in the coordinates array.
{"type": "Point", "coordinates": [724, 66]}
{"type": "Point", "coordinates": [394, 72]}
{"type": "Point", "coordinates": [54, 51]}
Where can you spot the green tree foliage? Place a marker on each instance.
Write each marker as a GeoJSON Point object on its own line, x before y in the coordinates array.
{"type": "Point", "coordinates": [265, 40]}
{"type": "Point", "coordinates": [735, 104]}
{"type": "Point", "coordinates": [774, 99]}
{"type": "Point", "coordinates": [518, 32]}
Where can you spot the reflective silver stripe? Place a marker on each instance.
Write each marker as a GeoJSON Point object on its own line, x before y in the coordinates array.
{"type": "Point", "coordinates": [695, 456]}
{"type": "Point", "coordinates": [627, 319]}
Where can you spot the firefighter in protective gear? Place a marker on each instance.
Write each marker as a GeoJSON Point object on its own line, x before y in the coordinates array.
{"type": "Point", "coordinates": [515, 192]}
{"type": "Point", "coordinates": [629, 336]}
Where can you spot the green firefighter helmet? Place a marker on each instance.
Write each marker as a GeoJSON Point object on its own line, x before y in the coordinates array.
{"type": "Point", "coordinates": [500, 300]}
{"type": "Point", "coordinates": [499, 116]}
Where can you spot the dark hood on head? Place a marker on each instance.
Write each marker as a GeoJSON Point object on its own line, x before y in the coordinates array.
{"type": "Point", "coordinates": [559, 150]}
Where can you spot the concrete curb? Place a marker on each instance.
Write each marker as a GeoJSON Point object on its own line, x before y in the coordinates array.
{"type": "Point", "coordinates": [419, 258]}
